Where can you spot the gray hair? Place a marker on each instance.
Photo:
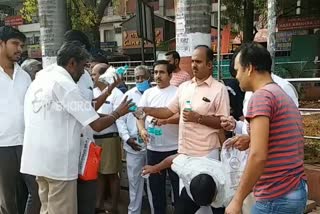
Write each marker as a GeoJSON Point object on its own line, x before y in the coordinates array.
{"type": "Point", "coordinates": [143, 68]}
{"type": "Point", "coordinates": [31, 66]}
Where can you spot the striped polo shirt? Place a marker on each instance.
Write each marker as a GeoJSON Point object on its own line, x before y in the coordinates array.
{"type": "Point", "coordinates": [179, 77]}
{"type": "Point", "coordinates": [284, 167]}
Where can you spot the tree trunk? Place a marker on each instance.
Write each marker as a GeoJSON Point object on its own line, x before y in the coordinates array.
{"type": "Point", "coordinates": [272, 19]}
{"type": "Point", "coordinates": [248, 20]}
{"type": "Point", "coordinates": [95, 30]}
{"type": "Point", "coordinates": [52, 16]}
{"type": "Point", "coordinates": [69, 11]}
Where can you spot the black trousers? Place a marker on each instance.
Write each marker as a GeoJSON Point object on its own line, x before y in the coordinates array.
{"type": "Point", "coordinates": [157, 182]}
{"type": "Point", "coordinates": [33, 203]}
{"type": "Point", "coordinates": [185, 205]}
{"type": "Point", "coordinates": [13, 190]}
{"type": "Point", "coordinates": [87, 195]}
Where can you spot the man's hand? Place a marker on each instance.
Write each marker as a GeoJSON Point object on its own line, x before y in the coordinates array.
{"type": "Point", "coordinates": [144, 135]}
{"type": "Point", "coordinates": [240, 142]}
{"type": "Point", "coordinates": [150, 170]}
{"type": "Point", "coordinates": [228, 123]}
{"type": "Point", "coordinates": [102, 86]}
{"type": "Point", "coordinates": [160, 122]}
{"type": "Point", "coordinates": [190, 116]}
{"type": "Point", "coordinates": [124, 106]}
{"type": "Point", "coordinates": [132, 142]}
{"type": "Point", "coordinates": [234, 207]}
{"type": "Point", "coordinates": [116, 81]}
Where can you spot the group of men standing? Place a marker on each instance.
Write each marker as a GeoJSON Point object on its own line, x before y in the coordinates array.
{"type": "Point", "coordinates": [63, 107]}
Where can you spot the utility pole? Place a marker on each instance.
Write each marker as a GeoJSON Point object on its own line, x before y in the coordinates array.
{"type": "Point", "coordinates": [193, 27]}
{"type": "Point", "coordinates": [219, 42]}
{"type": "Point", "coordinates": [272, 22]}
{"type": "Point", "coordinates": [53, 25]}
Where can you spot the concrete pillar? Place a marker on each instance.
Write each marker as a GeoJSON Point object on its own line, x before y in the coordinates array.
{"type": "Point", "coordinates": [53, 25]}
{"type": "Point", "coordinates": [193, 27]}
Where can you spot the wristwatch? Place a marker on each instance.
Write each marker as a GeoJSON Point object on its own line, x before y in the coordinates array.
{"type": "Point", "coordinates": [200, 119]}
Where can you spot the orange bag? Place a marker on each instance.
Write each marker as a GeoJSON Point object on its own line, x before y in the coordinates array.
{"type": "Point", "coordinates": [90, 161]}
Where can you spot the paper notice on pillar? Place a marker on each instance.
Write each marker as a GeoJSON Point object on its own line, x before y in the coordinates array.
{"type": "Point", "coordinates": [182, 45]}
{"type": "Point", "coordinates": [196, 39]}
{"type": "Point", "coordinates": [46, 61]}
{"type": "Point", "coordinates": [186, 43]}
{"type": "Point", "coordinates": [180, 26]}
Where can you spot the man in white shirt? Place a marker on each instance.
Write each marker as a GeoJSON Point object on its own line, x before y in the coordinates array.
{"type": "Point", "coordinates": [55, 112]}
{"type": "Point", "coordinates": [133, 145]}
{"type": "Point", "coordinates": [108, 139]}
{"type": "Point", "coordinates": [14, 83]}
{"type": "Point", "coordinates": [161, 146]}
{"type": "Point", "coordinates": [204, 180]}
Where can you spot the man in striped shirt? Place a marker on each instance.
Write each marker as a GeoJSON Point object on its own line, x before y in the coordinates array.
{"type": "Point", "coordinates": [178, 76]}
{"type": "Point", "coordinates": [275, 165]}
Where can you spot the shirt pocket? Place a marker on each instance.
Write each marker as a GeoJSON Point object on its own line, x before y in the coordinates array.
{"type": "Point", "coordinates": [204, 107]}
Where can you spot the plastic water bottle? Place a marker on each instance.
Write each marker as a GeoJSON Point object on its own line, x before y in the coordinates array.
{"type": "Point", "coordinates": [158, 136]}
{"type": "Point", "coordinates": [141, 143]}
{"type": "Point", "coordinates": [151, 132]}
{"type": "Point", "coordinates": [188, 106]}
{"type": "Point", "coordinates": [122, 70]}
{"type": "Point", "coordinates": [139, 114]}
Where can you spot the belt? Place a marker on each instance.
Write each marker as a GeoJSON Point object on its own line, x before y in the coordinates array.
{"type": "Point", "coordinates": [109, 135]}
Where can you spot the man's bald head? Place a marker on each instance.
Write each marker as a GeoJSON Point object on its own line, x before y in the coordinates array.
{"type": "Point", "coordinates": [98, 70]}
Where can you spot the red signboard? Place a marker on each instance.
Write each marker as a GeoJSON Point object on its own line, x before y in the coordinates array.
{"type": "Point", "coordinates": [130, 39]}
{"type": "Point", "coordinates": [13, 21]}
{"type": "Point", "coordinates": [298, 23]}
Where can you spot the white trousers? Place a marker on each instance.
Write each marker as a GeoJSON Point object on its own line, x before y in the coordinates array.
{"type": "Point", "coordinates": [135, 163]}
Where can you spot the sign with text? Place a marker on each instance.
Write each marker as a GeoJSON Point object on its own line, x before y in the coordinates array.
{"type": "Point", "coordinates": [130, 39]}
{"type": "Point", "coordinates": [283, 39]}
{"type": "Point", "coordinates": [13, 21]}
{"type": "Point", "coordinates": [298, 23]}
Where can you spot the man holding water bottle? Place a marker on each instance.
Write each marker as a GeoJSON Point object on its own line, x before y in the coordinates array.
{"type": "Point", "coordinates": [201, 102]}
{"type": "Point", "coordinates": [162, 140]}
{"type": "Point", "coordinates": [133, 145]}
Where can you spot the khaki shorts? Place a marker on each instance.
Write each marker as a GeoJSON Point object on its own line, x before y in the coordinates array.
{"type": "Point", "coordinates": [111, 155]}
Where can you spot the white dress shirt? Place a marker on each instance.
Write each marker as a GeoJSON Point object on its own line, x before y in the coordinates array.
{"type": "Point", "coordinates": [55, 112]}
{"type": "Point", "coordinates": [12, 93]}
{"type": "Point", "coordinates": [188, 167]}
{"type": "Point", "coordinates": [85, 85]}
{"type": "Point", "coordinates": [111, 103]}
{"type": "Point", "coordinates": [127, 124]}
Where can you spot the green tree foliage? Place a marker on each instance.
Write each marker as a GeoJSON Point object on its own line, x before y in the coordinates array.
{"type": "Point", "coordinates": [242, 13]}
{"type": "Point", "coordinates": [29, 10]}
{"type": "Point", "coordinates": [84, 15]}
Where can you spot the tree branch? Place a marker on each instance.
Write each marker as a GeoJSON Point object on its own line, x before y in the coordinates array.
{"type": "Point", "coordinates": [101, 8]}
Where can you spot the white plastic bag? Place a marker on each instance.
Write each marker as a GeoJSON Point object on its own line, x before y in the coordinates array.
{"type": "Point", "coordinates": [234, 162]}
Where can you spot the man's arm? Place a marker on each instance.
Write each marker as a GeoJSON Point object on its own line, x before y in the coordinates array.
{"type": "Point", "coordinates": [259, 133]}
{"type": "Point", "coordinates": [171, 120]}
{"type": "Point", "coordinates": [166, 163]}
{"type": "Point", "coordinates": [99, 101]}
{"type": "Point", "coordinates": [106, 121]}
{"type": "Point", "coordinates": [174, 119]}
{"type": "Point", "coordinates": [106, 91]}
{"type": "Point", "coordinates": [161, 113]}
{"type": "Point", "coordinates": [210, 121]}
